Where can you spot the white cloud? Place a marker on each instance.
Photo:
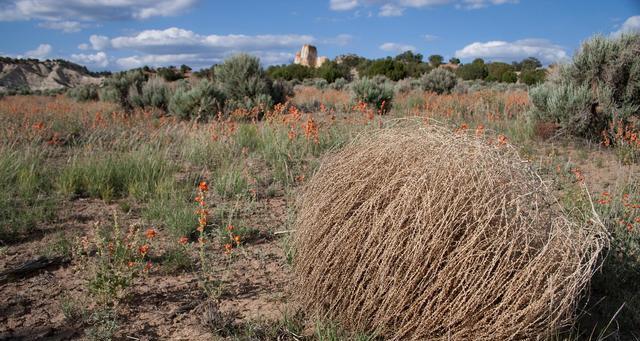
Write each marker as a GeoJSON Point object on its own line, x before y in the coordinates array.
{"type": "Point", "coordinates": [396, 47]}
{"type": "Point", "coordinates": [174, 46]}
{"type": "Point", "coordinates": [40, 52]}
{"type": "Point", "coordinates": [90, 10]}
{"type": "Point", "coordinates": [343, 5]}
{"type": "Point", "coordinates": [99, 59]}
{"type": "Point", "coordinates": [166, 42]}
{"type": "Point", "coordinates": [476, 4]}
{"type": "Point", "coordinates": [394, 8]}
{"type": "Point", "coordinates": [99, 43]}
{"type": "Point", "coordinates": [631, 25]}
{"type": "Point", "coordinates": [340, 39]}
{"type": "Point", "coordinates": [542, 49]}
{"type": "Point", "coordinates": [430, 37]}
{"type": "Point", "coordinates": [64, 26]}
{"type": "Point", "coordinates": [390, 10]}
{"type": "Point", "coordinates": [159, 60]}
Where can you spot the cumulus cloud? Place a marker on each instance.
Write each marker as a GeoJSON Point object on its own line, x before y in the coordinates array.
{"type": "Point", "coordinates": [64, 26]}
{"type": "Point", "coordinates": [343, 5]}
{"type": "Point", "coordinates": [430, 37]}
{"type": "Point", "coordinates": [176, 39]}
{"type": "Point", "coordinates": [340, 39]}
{"type": "Point", "coordinates": [390, 10]}
{"type": "Point", "coordinates": [476, 4]}
{"type": "Point", "coordinates": [99, 42]}
{"type": "Point", "coordinates": [631, 25]}
{"type": "Point", "coordinates": [99, 59]}
{"type": "Point", "coordinates": [396, 47]}
{"type": "Point", "coordinates": [159, 47]}
{"type": "Point", "coordinates": [164, 59]}
{"type": "Point", "coordinates": [394, 8]}
{"type": "Point", "coordinates": [542, 49]}
{"type": "Point", "coordinates": [63, 12]}
{"type": "Point", "coordinates": [42, 51]}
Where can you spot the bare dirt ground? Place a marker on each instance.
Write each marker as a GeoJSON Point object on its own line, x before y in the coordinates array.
{"type": "Point", "coordinates": [172, 305]}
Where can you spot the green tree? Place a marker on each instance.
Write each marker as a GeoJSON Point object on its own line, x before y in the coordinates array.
{"type": "Point", "coordinates": [388, 67]}
{"type": "Point", "coordinates": [435, 60]}
{"type": "Point", "coordinates": [409, 57]}
{"type": "Point", "coordinates": [530, 63]}
{"type": "Point", "coordinates": [531, 77]}
{"type": "Point", "coordinates": [496, 70]}
{"type": "Point", "coordinates": [331, 71]}
{"type": "Point", "coordinates": [476, 70]}
{"type": "Point", "coordinates": [454, 61]}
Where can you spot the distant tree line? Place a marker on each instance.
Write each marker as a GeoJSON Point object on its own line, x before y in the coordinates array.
{"type": "Point", "coordinates": [411, 65]}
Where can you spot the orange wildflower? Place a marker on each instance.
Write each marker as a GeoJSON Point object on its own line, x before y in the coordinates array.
{"type": "Point", "coordinates": [203, 186]}
{"type": "Point", "coordinates": [151, 233]}
{"type": "Point", "coordinates": [237, 240]}
{"type": "Point", "coordinates": [227, 248]}
{"type": "Point", "coordinates": [502, 140]}
{"type": "Point", "coordinates": [144, 249]}
{"type": "Point", "coordinates": [183, 240]}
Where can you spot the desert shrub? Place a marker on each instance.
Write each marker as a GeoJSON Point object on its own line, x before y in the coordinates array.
{"type": "Point", "coordinates": [281, 90]}
{"type": "Point", "coordinates": [367, 91]}
{"type": "Point", "coordinates": [599, 88]}
{"type": "Point", "coordinates": [119, 86]}
{"type": "Point", "coordinates": [318, 83]}
{"type": "Point", "coordinates": [155, 93]}
{"type": "Point", "coordinates": [170, 74]}
{"type": "Point", "coordinates": [439, 80]}
{"type": "Point", "coordinates": [202, 100]}
{"type": "Point", "coordinates": [423, 234]}
{"type": "Point", "coordinates": [84, 93]}
{"type": "Point", "coordinates": [243, 82]}
{"type": "Point", "coordinates": [339, 84]}
{"type": "Point", "coordinates": [381, 80]}
{"type": "Point", "coordinates": [407, 85]}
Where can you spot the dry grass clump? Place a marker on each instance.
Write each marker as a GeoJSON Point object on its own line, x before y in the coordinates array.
{"type": "Point", "coordinates": [426, 234]}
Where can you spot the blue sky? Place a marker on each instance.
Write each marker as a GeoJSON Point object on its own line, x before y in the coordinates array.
{"type": "Point", "coordinates": [121, 34]}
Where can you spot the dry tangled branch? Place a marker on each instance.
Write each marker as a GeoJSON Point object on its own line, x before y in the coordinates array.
{"type": "Point", "coordinates": [426, 234]}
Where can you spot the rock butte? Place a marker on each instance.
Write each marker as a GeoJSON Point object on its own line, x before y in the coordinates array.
{"type": "Point", "coordinates": [308, 56]}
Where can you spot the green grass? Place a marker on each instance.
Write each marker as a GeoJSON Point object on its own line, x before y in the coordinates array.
{"type": "Point", "coordinates": [108, 175]}
{"type": "Point", "coordinates": [230, 182]}
{"type": "Point", "coordinates": [172, 207]}
{"type": "Point", "coordinates": [26, 197]}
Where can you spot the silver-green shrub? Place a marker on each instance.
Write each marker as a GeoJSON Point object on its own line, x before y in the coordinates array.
{"type": "Point", "coordinates": [243, 82]}
{"type": "Point", "coordinates": [367, 91]}
{"type": "Point", "coordinates": [339, 84]}
{"type": "Point", "coordinates": [407, 85]}
{"type": "Point", "coordinates": [601, 85]}
{"type": "Point", "coordinates": [201, 100]}
{"type": "Point", "coordinates": [439, 80]}
{"type": "Point", "coordinates": [84, 93]}
{"type": "Point", "coordinates": [156, 93]}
